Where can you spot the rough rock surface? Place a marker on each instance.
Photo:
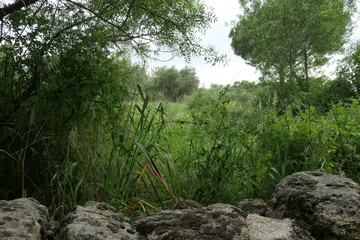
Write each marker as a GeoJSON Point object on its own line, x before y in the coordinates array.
{"type": "Point", "coordinates": [257, 206]}
{"type": "Point", "coordinates": [96, 221]}
{"type": "Point", "coordinates": [326, 205]}
{"type": "Point", "coordinates": [23, 218]}
{"type": "Point", "coordinates": [215, 222]}
{"type": "Point", "coordinates": [262, 228]}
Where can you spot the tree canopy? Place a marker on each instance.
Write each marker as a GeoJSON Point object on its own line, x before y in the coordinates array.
{"type": "Point", "coordinates": [286, 38]}
{"type": "Point", "coordinates": [168, 25]}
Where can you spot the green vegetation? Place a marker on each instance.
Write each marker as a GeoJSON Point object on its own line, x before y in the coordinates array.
{"type": "Point", "coordinates": [69, 98]}
{"type": "Point", "coordinates": [235, 144]}
{"type": "Point", "coordinates": [79, 121]}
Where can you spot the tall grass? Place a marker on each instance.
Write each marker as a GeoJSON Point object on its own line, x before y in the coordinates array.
{"type": "Point", "coordinates": [121, 178]}
{"type": "Point", "coordinates": [133, 147]}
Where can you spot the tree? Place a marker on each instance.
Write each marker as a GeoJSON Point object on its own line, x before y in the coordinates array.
{"type": "Point", "coordinates": [173, 83]}
{"type": "Point", "coordinates": [287, 38]}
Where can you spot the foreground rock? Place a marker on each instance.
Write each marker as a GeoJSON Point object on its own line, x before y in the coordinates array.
{"type": "Point", "coordinates": [215, 222]}
{"type": "Point", "coordinates": [326, 205]}
{"type": "Point", "coordinates": [304, 205]}
{"type": "Point", "coordinates": [23, 218]}
{"type": "Point", "coordinates": [96, 221]}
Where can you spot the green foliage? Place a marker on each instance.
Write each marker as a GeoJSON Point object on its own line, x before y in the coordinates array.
{"type": "Point", "coordinates": [215, 151]}
{"type": "Point", "coordinates": [309, 141]}
{"type": "Point", "coordinates": [234, 145]}
{"type": "Point", "coordinates": [172, 83]}
{"type": "Point", "coordinates": [75, 126]}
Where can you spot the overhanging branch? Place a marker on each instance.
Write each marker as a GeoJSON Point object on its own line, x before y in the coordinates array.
{"type": "Point", "coordinates": [8, 9]}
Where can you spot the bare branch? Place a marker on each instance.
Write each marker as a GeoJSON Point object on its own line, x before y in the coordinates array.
{"type": "Point", "coordinates": [128, 13]}
{"type": "Point", "coordinates": [8, 9]}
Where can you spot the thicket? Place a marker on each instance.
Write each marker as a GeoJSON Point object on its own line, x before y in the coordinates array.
{"type": "Point", "coordinates": [75, 124]}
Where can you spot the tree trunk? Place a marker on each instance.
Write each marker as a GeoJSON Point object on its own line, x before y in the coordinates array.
{"type": "Point", "coordinates": [305, 84]}
{"type": "Point", "coordinates": [282, 89]}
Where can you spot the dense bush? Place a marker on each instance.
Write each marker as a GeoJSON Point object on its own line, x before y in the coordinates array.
{"type": "Point", "coordinates": [52, 132]}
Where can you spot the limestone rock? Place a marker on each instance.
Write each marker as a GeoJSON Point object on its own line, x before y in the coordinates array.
{"type": "Point", "coordinates": [326, 205]}
{"type": "Point", "coordinates": [257, 206]}
{"type": "Point", "coordinates": [96, 221]}
{"type": "Point", "coordinates": [216, 222]}
{"type": "Point", "coordinates": [23, 218]}
{"type": "Point", "coordinates": [262, 228]}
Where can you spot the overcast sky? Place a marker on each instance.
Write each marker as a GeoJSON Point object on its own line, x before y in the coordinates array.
{"type": "Point", "coordinates": [217, 36]}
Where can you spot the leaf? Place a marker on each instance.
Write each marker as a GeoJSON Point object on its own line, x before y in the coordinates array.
{"type": "Point", "coordinates": [275, 171]}
{"type": "Point", "coordinates": [142, 173]}
{"type": "Point", "coordinates": [155, 172]}
{"type": "Point", "coordinates": [140, 92]}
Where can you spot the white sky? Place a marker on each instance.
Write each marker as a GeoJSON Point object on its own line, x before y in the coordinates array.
{"type": "Point", "coordinates": [217, 36]}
